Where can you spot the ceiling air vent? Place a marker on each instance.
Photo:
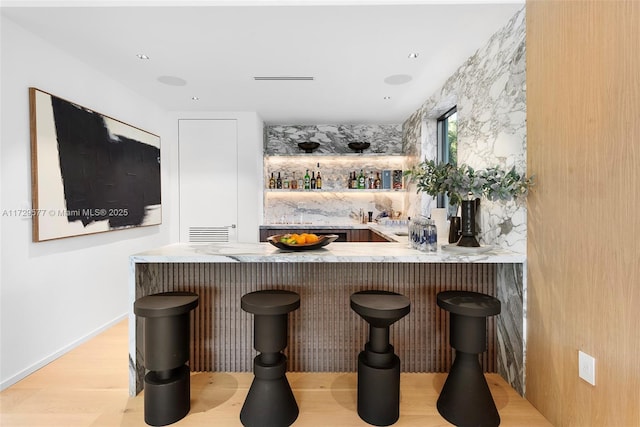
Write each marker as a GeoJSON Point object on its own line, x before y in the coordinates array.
{"type": "Point", "coordinates": [284, 78]}
{"type": "Point", "coordinates": [208, 234]}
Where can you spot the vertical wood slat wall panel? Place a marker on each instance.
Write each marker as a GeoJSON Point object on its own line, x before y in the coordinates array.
{"type": "Point", "coordinates": [583, 145]}
{"type": "Point", "coordinates": [325, 335]}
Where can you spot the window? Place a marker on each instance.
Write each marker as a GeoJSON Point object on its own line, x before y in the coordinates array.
{"type": "Point", "coordinates": [448, 137]}
{"type": "Point", "coordinates": [447, 145]}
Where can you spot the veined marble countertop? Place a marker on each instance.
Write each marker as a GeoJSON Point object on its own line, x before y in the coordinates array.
{"type": "Point", "coordinates": [361, 252]}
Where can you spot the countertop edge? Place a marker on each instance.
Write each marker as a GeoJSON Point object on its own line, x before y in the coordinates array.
{"type": "Point", "coordinates": [336, 252]}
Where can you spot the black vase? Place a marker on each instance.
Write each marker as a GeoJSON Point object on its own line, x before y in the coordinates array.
{"type": "Point", "coordinates": [454, 229]}
{"type": "Point", "coordinates": [468, 237]}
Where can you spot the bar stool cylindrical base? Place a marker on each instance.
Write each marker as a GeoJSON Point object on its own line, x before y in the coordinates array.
{"type": "Point", "coordinates": [378, 392]}
{"type": "Point", "coordinates": [166, 400]}
{"type": "Point", "coordinates": [465, 399]}
{"type": "Point", "coordinates": [270, 401]}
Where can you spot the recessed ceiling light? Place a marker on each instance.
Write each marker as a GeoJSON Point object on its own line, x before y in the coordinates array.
{"type": "Point", "coordinates": [195, 98]}
{"type": "Point", "coordinates": [398, 79]}
{"type": "Point", "coordinates": [172, 80]}
{"type": "Point", "coordinates": [413, 55]}
{"type": "Point", "coordinates": [142, 56]}
{"type": "Point", "coordinates": [386, 98]}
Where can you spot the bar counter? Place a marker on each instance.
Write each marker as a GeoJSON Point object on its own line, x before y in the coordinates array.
{"type": "Point", "coordinates": [324, 334]}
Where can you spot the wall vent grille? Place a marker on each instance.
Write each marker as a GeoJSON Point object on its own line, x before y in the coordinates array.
{"type": "Point", "coordinates": [208, 234]}
{"type": "Point", "coordinates": [283, 78]}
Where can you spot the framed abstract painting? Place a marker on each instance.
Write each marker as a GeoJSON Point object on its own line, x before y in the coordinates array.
{"type": "Point", "coordinates": [90, 173]}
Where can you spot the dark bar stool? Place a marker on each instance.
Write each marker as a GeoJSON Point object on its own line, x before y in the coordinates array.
{"type": "Point", "coordinates": [465, 399]}
{"type": "Point", "coordinates": [270, 401]}
{"type": "Point", "coordinates": [378, 366]}
{"type": "Point", "coordinates": [167, 391]}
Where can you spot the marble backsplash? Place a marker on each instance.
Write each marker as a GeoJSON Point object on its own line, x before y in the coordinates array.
{"type": "Point", "coordinates": [334, 160]}
{"type": "Point", "coordinates": [333, 139]}
{"type": "Point", "coordinates": [327, 208]}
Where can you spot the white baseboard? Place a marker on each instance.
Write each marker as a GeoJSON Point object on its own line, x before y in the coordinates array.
{"type": "Point", "coordinates": [31, 369]}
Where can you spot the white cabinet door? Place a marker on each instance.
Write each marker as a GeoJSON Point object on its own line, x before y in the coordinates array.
{"type": "Point", "coordinates": [208, 174]}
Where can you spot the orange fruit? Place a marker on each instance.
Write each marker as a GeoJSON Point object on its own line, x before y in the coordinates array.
{"type": "Point", "coordinates": [312, 238]}
{"type": "Point", "coordinates": [302, 239]}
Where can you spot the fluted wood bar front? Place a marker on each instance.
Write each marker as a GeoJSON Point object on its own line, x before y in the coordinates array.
{"type": "Point", "coordinates": [325, 335]}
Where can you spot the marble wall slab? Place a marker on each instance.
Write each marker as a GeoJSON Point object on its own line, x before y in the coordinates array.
{"type": "Point", "coordinates": [412, 134]}
{"type": "Point", "coordinates": [333, 139]}
{"type": "Point", "coordinates": [411, 143]}
{"type": "Point", "coordinates": [511, 324]}
{"type": "Point", "coordinates": [489, 90]}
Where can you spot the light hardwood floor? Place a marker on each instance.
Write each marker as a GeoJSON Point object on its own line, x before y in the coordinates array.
{"type": "Point", "coordinates": [89, 387]}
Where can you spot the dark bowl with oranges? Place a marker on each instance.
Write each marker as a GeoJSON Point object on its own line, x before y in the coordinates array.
{"type": "Point", "coordinates": [301, 242]}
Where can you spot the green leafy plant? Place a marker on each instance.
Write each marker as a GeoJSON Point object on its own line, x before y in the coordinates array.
{"type": "Point", "coordinates": [463, 182]}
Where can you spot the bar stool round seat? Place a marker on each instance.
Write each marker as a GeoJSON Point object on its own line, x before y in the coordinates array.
{"type": "Point", "coordinates": [465, 399]}
{"type": "Point", "coordinates": [270, 401]}
{"type": "Point", "coordinates": [270, 302]}
{"type": "Point", "coordinates": [167, 393]}
{"type": "Point", "coordinates": [378, 365]}
{"type": "Point", "coordinates": [380, 308]}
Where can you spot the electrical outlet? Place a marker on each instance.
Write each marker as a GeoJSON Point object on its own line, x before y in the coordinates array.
{"type": "Point", "coordinates": [587, 368]}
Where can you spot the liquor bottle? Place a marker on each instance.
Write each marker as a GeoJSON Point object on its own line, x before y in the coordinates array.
{"type": "Point", "coordinates": [294, 183]}
{"type": "Point", "coordinates": [313, 180]}
{"type": "Point", "coordinates": [272, 182]}
{"type": "Point", "coordinates": [307, 181]}
{"type": "Point", "coordinates": [349, 181]}
{"type": "Point", "coordinates": [376, 183]}
{"type": "Point", "coordinates": [285, 182]}
{"type": "Point", "coordinates": [300, 183]}
{"type": "Point", "coordinates": [361, 180]}
{"type": "Point", "coordinates": [354, 181]}
{"type": "Point", "coordinates": [279, 181]}
{"type": "Point", "coordinates": [319, 181]}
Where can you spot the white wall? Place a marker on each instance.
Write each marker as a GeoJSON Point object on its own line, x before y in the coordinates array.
{"type": "Point", "coordinates": [55, 294]}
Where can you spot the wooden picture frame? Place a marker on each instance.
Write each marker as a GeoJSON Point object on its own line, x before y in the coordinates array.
{"type": "Point", "coordinates": [90, 173]}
